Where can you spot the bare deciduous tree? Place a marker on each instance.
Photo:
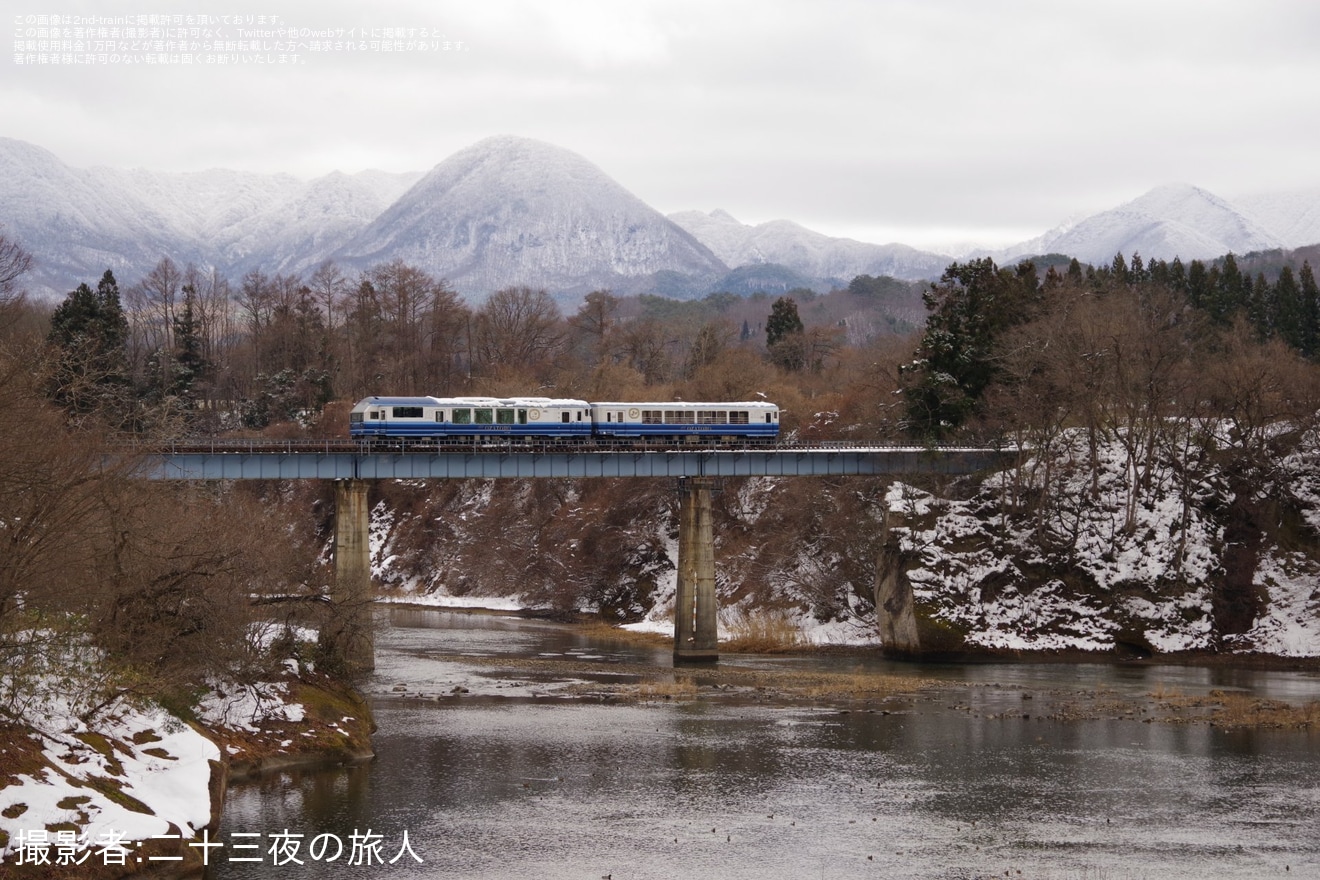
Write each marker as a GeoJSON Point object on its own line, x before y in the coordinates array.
{"type": "Point", "coordinates": [517, 328]}
{"type": "Point", "coordinates": [14, 263]}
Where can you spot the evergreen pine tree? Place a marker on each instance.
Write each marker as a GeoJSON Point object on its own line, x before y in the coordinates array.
{"type": "Point", "coordinates": [1229, 295]}
{"type": "Point", "coordinates": [783, 321]}
{"type": "Point", "coordinates": [1119, 269]}
{"type": "Point", "coordinates": [1177, 275]}
{"type": "Point", "coordinates": [1309, 335]}
{"type": "Point", "coordinates": [971, 306]}
{"type": "Point", "coordinates": [89, 332]}
{"type": "Point", "coordinates": [1261, 307]}
{"type": "Point", "coordinates": [1288, 308]}
{"type": "Point", "coordinates": [189, 364]}
{"type": "Point", "coordinates": [785, 339]}
{"type": "Point", "coordinates": [1199, 287]}
{"type": "Point", "coordinates": [1074, 271]}
{"type": "Point", "coordinates": [1137, 272]}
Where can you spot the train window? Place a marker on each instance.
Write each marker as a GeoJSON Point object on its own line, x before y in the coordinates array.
{"type": "Point", "coordinates": [738, 417]}
{"type": "Point", "coordinates": [375, 414]}
{"type": "Point", "coordinates": [522, 416]}
{"type": "Point", "coordinates": [354, 418]}
{"type": "Point", "coordinates": [767, 418]}
{"type": "Point", "coordinates": [680, 417]}
{"type": "Point", "coordinates": [439, 415]}
{"type": "Point", "coordinates": [462, 417]}
{"type": "Point", "coordinates": [563, 417]}
{"type": "Point", "coordinates": [712, 417]}
{"type": "Point", "coordinates": [407, 412]}
{"type": "Point", "coordinates": [609, 416]}
{"type": "Point", "coordinates": [652, 417]}
{"type": "Point", "coordinates": [504, 417]}
{"type": "Point", "coordinates": [483, 416]}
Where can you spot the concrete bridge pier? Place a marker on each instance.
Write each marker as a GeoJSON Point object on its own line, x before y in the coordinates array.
{"type": "Point", "coordinates": [695, 639]}
{"type": "Point", "coordinates": [349, 634]}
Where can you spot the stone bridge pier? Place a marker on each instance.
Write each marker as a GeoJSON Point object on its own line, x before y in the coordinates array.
{"type": "Point", "coordinates": [695, 639]}
{"type": "Point", "coordinates": [349, 634]}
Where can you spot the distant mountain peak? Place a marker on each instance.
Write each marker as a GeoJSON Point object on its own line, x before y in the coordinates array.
{"type": "Point", "coordinates": [513, 210]}
{"type": "Point", "coordinates": [1173, 220]}
{"type": "Point", "coordinates": [804, 251]}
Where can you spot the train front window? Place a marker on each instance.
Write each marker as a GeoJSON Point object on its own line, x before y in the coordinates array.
{"type": "Point", "coordinates": [484, 416]}
{"type": "Point", "coordinates": [462, 417]}
{"type": "Point", "coordinates": [355, 418]}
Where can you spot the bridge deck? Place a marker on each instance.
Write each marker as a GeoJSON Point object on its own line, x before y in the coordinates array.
{"type": "Point", "coordinates": [340, 460]}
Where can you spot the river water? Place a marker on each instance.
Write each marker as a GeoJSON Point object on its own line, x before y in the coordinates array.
{"type": "Point", "coordinates": [511, 780]}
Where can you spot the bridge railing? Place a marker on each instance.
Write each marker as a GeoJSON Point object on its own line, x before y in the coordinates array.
{"type": "Point", "coordinates": [415, 446]}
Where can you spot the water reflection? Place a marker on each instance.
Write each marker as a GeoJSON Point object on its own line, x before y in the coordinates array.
{"type": "Point", "coordinates": [500, 786]}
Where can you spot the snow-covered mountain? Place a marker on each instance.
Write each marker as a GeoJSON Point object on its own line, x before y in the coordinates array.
{"type": "Point", "coordinates": [785, 243]}
{"type": "Point", "coordinates": [79, 222]}
{"type": "Point", "coordinates": [73, 219]}
{"type": "Point", "coordinates": [1293, 215]}
{"type": "Point", "coordinates": [504, 211]}
{"type": "Point", "coordinates": [510, 210]}
{"type": "Point", "coordinates": [1177, 220]}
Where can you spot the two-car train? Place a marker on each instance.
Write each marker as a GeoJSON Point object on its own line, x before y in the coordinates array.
{"type": "Point", "coordinates": [551, 420]}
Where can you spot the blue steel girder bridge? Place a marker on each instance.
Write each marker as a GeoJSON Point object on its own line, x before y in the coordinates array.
{"type": "Point", "coordinates": [353, 464]}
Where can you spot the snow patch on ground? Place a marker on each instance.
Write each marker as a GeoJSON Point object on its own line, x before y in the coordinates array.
{"type": "Point", "coordinates": [248, 706]}
{"type": "Point", "coordinates": [439, 600]}
{"type": "Point", "coordinates": [145, 753]}
{"type": "Point", "coordinates": [1291, 624]}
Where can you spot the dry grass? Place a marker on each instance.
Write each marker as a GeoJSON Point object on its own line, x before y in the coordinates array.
{"type": "Point", "coordinates": [1162, 693]}
{"type": "Point", "coordinates": [763, 633]}
{"type": "Point", "coordinates": [1241, 710]}
{"type": "Point", "coordinates": [600, 629]}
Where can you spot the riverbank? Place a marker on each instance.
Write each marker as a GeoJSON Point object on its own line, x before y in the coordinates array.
{"type": "Point", "coordinates": [131, 790]}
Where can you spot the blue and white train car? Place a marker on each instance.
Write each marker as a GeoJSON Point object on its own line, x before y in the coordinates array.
{"type": "Point", "coordinates": [687, 422]}
{"type": "Point", "coordinates": [442, 418]}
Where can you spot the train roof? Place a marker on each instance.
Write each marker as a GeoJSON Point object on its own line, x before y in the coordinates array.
{"type": "Point", "coordinates": [395, 401]}
{"type": "Point", "coordinates": [685, 404]}
{"type": "Point", "coordinates": [470, 401]}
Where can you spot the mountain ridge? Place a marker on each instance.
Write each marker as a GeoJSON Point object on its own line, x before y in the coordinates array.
{"type": "Point", "coordinates": [510, 210]}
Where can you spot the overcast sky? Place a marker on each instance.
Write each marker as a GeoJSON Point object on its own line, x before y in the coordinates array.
{"type": "Point", "coordinates": [923, 122]}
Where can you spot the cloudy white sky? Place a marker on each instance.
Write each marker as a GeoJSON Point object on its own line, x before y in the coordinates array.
{"type": "Point", "coordinates": [926, 122]}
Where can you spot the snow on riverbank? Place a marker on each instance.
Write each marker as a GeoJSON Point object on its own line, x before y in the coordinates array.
{"type": "Point", "coordinates": [132, 774]}
{"type": "Point", "coordinates": [1106, 561]}
{"type": "Point", "coordinates": [440, 600]}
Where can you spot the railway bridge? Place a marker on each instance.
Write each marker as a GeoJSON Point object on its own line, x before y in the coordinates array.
{"type": "Point", "coordinates": [352, 465]}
